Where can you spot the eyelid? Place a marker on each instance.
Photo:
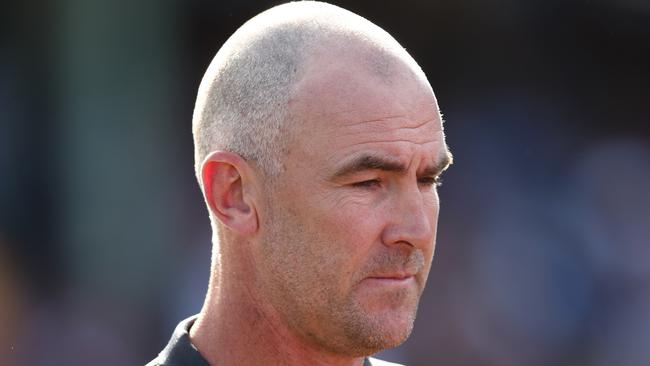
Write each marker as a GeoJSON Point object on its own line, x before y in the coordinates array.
{"type": "Point", "coordinates": [368, 183]}
{"type": "Point", "coordinates": [432, 180]}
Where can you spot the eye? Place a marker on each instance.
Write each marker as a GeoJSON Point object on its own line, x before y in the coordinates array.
{"type": "Point", "coordinates": [370, 183]}
{"type": "Point", "coordinates": [430, 181]}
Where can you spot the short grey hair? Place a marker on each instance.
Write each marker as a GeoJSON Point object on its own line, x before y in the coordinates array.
{"type": "Point", "coordinates": [242, 102]}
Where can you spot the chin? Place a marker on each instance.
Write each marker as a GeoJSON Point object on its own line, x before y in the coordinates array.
{"type": "Point", "coordinates": [395, 330]}
{"type": "Point", "coordinates": [378, 332]}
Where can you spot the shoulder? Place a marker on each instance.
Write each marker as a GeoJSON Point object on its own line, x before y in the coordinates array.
{"type": "Point", "coordinates": [377, 362]}
{"type": "Point", "coordinates": [180, 351]}
{"type": "Point", "coordinates": [154, 362]}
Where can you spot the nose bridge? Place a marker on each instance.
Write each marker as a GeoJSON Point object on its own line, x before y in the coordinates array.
{"type": "Point", "coordinates": [410, 219]}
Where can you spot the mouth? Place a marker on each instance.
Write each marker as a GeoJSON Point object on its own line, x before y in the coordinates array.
{"type": "Point", "coordinates": [399, 278]}
{"type": "Point", "coordinates": [390, 283]}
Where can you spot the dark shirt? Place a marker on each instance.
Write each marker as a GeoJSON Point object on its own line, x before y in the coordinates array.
{"type": "Point", "coordinates": [181, 352]}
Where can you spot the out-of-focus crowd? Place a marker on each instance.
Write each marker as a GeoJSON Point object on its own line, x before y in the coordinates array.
{"type": "Point", "coordinates": [543, 253]}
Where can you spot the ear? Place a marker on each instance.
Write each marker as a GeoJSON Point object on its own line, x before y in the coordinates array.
{"type": "Point", "coordinates": [228, 191]}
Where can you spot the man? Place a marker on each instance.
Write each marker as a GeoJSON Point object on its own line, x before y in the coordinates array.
{"type": "Point", "coordinates": [318, 146]}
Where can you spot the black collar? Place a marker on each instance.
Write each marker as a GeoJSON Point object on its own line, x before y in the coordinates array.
{"type": "Point", "coordinates": [181, 352]}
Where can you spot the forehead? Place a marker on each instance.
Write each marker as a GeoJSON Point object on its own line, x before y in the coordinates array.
{"type": "Point", "coordinates": [342, 76]}
{"type": "Point", "coordinates": [342, 106]}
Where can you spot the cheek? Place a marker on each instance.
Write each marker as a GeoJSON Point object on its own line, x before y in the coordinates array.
{"type": "Point", "coordinates": [346, 235]}
{"type": "Point", "coordinates": [356, 233]}
{"type": "Point", "coordinates": [355, 223]}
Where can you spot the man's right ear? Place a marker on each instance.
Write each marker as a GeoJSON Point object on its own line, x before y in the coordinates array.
{"type": "Point", "coordinates": [225, 176]}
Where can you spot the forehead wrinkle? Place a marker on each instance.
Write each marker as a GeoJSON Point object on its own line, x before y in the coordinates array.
{"type": "Point", "coordinates": [385, 121]}
{"type": "Point", "coordinates": [374, 120]}
{"type": "Point", "coordinates": [404, 128]}
{"type": "Point", "coordinates": [420, 143]}
{"type": "Point", "coordinates": [385, 132]}
{"type": "Point", "coordinates": [419, 124]}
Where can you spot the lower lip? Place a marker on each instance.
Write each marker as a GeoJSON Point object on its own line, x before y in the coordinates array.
{"type": "Point", "coordinates": [394, 281]}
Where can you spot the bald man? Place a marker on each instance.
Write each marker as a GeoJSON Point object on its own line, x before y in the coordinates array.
{"type": "Point", "coordinates": [318, 146]}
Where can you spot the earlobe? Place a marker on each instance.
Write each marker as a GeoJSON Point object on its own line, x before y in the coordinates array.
{"type": "Point", "coordinates": [224, 179]}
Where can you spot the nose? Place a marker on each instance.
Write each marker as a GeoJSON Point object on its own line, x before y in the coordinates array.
{"type": "Point", "coordinates": [411, 218]}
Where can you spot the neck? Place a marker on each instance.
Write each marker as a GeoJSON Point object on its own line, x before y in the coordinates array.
{"type": "Point", "coordinates": [237, 328]}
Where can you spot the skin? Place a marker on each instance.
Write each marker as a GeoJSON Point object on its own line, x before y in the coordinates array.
{"type": "Point", "coordinates": [326, 263]}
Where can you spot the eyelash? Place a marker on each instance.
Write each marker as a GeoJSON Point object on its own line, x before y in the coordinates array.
{"type": "Point", "coordinates": [367, 183]}
{"type": "Point", "coordinates": [429, 181]}
{"type": "Point", "coordinates": [432, 181]}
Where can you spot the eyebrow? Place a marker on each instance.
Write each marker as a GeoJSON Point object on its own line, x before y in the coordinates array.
{"type": "Point", "coordinates": [373, 162]}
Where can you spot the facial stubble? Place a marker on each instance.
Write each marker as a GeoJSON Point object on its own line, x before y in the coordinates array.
{"type": "Point", "coordinates": [304, 281]}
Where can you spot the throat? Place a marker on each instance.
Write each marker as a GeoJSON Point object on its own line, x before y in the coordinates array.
{"type": "Point", "coordinates": [239, 331]}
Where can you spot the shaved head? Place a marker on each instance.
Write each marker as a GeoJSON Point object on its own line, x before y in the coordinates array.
{"type": "Point", "coordinates": [243, 103]}
{"type": "Point", "coordinates": [318, 145]}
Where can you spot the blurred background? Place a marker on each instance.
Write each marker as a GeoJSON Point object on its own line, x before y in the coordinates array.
{"type": "Point", "coordinates": [543, 252]}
